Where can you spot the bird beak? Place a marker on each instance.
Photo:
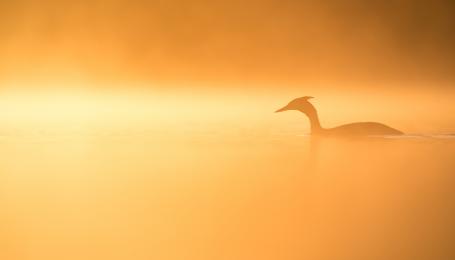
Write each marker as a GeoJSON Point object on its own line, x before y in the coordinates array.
{"type": "Point", "coordinates": [282, 109]}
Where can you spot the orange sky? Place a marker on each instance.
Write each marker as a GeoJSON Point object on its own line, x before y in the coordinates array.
{"type": "Point", "coordinates": [389, 61]}
{"type": "Point", "coordinates": [251, 42]}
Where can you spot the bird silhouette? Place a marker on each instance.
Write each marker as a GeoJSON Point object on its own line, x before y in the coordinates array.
{"type": "Point", "coordinates": [354, 129]}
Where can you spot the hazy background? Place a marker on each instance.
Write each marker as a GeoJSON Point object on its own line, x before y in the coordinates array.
{"type": "Point", "coordinates": [286, 41]}
{"type": "Point", "coordinates": [390, 61]}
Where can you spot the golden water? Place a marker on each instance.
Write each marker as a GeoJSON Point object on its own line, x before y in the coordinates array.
{"type": "Point", "coordinates": [220, 176]}
{"type": "Point", "coordinates": [140, 195]}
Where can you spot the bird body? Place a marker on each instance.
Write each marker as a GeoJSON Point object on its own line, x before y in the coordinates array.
{"type": "Point", "coordinates": [363, 128]}
{"type": "Point", "coordinates": [354, 129]}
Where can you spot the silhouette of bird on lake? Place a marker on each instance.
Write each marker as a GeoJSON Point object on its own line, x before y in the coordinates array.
{"type": "Point", "coordinates": [354, 129]}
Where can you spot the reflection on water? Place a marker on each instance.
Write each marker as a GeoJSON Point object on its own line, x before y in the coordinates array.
{"type": "Point", "coordinates": [201, 196]}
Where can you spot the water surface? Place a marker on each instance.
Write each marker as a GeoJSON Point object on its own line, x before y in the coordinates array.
{"type": "Point", "coordinates": [142, 194]}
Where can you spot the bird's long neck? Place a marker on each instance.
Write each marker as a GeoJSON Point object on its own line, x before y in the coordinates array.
{"type": "Point", "coordinates": [312, 114]}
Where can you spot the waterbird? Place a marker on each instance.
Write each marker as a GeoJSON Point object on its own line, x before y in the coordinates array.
{"type": "Point", "coordinates": [354, 129]}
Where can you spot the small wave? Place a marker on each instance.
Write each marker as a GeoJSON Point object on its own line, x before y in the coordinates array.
{"type": "Point", "coordinates": [402, 137]}
{"type": "Point", "coordinates": [418, 136]}
{"type": "Point", "coordinates": [444, 136]}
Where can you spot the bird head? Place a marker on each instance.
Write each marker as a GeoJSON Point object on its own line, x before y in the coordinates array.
{"type": "Point", "coordinates": [301, 104]}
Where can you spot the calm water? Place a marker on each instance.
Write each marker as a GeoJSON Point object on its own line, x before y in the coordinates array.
{"type": "Point", "coordinates": [147, 195]}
